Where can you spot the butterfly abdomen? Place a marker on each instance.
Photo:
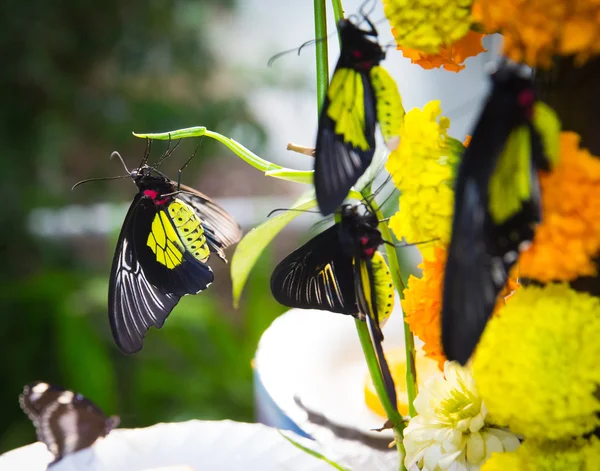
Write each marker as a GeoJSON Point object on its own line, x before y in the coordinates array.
{"type": "Point", "coordinates": [190, 230]}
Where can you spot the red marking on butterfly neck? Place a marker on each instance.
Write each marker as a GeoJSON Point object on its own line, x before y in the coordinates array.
{"type": "Point", "coordinates": [369, 251]}
{"type": "Point", "coordinates": [357, 54]}
{"type": "Point", "coordinates": [526, 99]}
{"type": "Point", "coordinates": [364, 240]}
{"type": "Point", "coordinates": [153, 195]}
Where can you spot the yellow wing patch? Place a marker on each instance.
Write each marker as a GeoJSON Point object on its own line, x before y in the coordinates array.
{"type": "Point", "coordinates": [190, 229]}
{"type": "Point", "coordinates": [347, 107]}
{"type": "Point", "coordinates": [390, 112]}
{"type": "Point", "coordinates": [383, 287]}
{"type": "Point", "coordinates": [510, 184]}
{"type": "Point", "coordinates": [164, 242]}
{"type": "Point", "coordinates": [547, 124]}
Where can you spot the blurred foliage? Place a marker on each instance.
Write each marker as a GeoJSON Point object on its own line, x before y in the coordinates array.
{"type": "Point", "coordinates": [78, 77]}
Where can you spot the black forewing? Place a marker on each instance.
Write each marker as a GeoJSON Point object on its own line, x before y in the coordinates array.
{"type": "Point", "coordinates": [318, 275]}
{"type": "Point", "coordinates": [475, 269]}
{"type": "Point", "coordinates": [338, 164]}
{"type": "Point", "coordinates": [220, 228]}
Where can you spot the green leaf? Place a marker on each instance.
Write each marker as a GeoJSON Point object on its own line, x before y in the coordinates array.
{"type": "Point", "coordinates": [314, 453]}
{"type": "Point", "coordinates": [253, 244]}
{"type": "Point", "coordinates": [200, 131]}
{"type": "Point", "coordinates": [197, 131]}
{"type": "Point", "coordinates": [298, 176]}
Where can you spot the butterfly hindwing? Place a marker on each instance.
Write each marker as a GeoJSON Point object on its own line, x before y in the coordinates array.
{"type": "Point", "coordinates": [65, 421]}
{"type": "Point", "coordinates": [220, 228]}
{"type": "Point", "coordinates": [318, 275]}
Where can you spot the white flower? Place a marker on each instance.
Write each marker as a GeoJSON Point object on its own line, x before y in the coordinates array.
{"type": "Point", "coordinates": [450, 433]}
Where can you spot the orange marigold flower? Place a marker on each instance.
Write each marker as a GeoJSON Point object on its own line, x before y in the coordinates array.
{"type": "Point", "coordinates": [422, 304]}
{"type": "Point", "coordinates": [535, 30]}
{"type": "Point", "coordinates": [569, 236]}
{"type": "Point", "coordinates": [451, 57]}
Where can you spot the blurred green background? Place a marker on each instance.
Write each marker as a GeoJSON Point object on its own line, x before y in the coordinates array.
{"type": "Point", "coordinates": [77, 78]}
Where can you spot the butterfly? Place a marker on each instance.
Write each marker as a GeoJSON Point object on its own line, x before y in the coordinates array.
{"type": "Point", "coordinates": [168, 236]}
{"type": "Point", "coordinates": [64, 421]}
{"type": "Point", "coordinates": [497, 205]}
{"type": "Point", "coordinates": [340, 270]}
{"type": "Point", "coordinates": [361, 93]}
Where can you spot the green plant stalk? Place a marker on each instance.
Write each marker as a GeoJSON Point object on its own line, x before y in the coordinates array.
{"type": "Point", "coordinates": [321, 47]}
{"type": "Point", "coordinates": [409, 340]}
{"type": "Point", "coordinates": [392, 413]}
{"type": "Point", "coordinates": [338, 14]}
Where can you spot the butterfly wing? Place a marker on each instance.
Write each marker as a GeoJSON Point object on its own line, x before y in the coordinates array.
{"type": "Point", "coordinates": [66, 422]}
{"type": "Point", "coordinates": [220, 228]}
{"type": "Point", "coordinates": [496, 205]}
{"type": "Point", "coordinates": [142, 291]}
{"type": "Point", "coordinates": [345, 138]}
{"type": "Point", "coordinates": [374, 289]}
{"type": "Point", "coordinates": [318, 275]}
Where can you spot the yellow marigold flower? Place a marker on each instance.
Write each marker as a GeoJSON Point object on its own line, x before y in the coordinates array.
{"type": "Point", "coordinates": [533, 455]}
{"type": "Point", "coordinates": [422, 303]}
{"type": "Point", "coordinates": [568, 238]}
{"type": "Point", "coordinates": [451, 431]}
{"type": "Point", "coordinates": [451, 57]}
{"type": "Point", "coordinates": [535, 30]}
{"type": "Point", "coordinates": [536, 365]}
{"type": "Point", "coordinates": [428, 25]}
{"type": "Point", "coordinates": [421, 170]}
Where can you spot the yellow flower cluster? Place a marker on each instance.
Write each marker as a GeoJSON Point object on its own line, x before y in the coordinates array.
{"type": "Point", "coordinates": [428, 25]}
{"type": "Point", "coordinates": [422, 169]}
{"type": "Point", "coordinates": [568, 239]}
{"type": "Point", "coordinates": [536, 365]}
{"type": "Point", "coordinates": [535, 30]}
{"type": "Point", "coordinates": [575, 454]}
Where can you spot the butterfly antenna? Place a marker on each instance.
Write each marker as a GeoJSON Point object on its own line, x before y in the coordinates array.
{"type": "Point", "coordinates": [298, 49]}
{"type": "Point", "coordinates": [293, 209]}
{"type": "Point", "coordinates": [98, 180]}
{"type": "Point", "coordinates": [117, 155]}
{"type": "Point", "coordinates": [185, 165]}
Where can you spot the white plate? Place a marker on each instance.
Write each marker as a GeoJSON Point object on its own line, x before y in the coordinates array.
{"type": "Point", "coordinates": [194, 445]}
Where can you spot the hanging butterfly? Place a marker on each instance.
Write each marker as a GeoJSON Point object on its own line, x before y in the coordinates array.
{"type": "Point", "coordinates": [64, 421]}
{"type": "Point", "coordinates": [340, 270]}
{"type": "Point", "coordinates": [361, 93]}
{"type": "Point", "coordinates": [497, 205]}
{"type": "Point", "coordinates": [168, 235]}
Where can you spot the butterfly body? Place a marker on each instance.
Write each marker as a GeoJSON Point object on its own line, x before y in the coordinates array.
{"type": "Point", "coordinates": [497, 206]}
{"type": "Point", "coordinates": [340, 270]}
{"type": "Point", "coordinates": [361, 93]}
{"type": "Point", "coordinates": [166, 241]}
{"type": "Point", "coordinates": [65, 422]}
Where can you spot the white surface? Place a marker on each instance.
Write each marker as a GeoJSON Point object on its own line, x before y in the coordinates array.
{"type": "Point", "coordinates": [316, 355]}
{"type": "Point", "coordinates": [193, 445]}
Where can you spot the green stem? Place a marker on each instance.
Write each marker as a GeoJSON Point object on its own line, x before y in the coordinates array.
{"type": "Point", "coordinates": [390, 410]}
{"type": "Point", "coordinates": [409, 340]}
{"type": "Point", "coordinates": [321, 46]}
{"type": "Point", "coordinates": [338, 14]}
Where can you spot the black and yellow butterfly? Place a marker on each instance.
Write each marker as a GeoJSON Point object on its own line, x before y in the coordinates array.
{"type": "Point", "coordinates": [497, 205]}
{"type": "Point", "coordinates": [340, 270]}
{"type": "Point", "coordinates": [361, 93]}
{"type": "Point", "coordinates": [168, 235]}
